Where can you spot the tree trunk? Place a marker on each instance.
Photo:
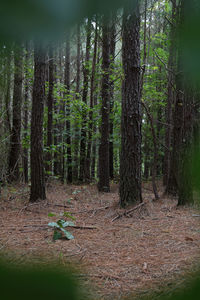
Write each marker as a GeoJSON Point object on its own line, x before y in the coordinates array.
{"type": "Point", "coordinates": [112, 60]}
{"type": "Point", "coordinates": [170, 100]}
{"type": "Point", "coordinates": [37, 166]}
{"type": "Point", "coordinates": [182, 130]}
{"type": "Point", "coordinates": [8, 94]}
{"type": "Point", "coordinates": [15, 142]}
{"type": "Point", "coordinates": [130, 159]}
{"type": "Point", "coordinates": [50, 112]}
{"type": "Point", "coordinates": [26, 109]}
{"type": "Point", "coordinates": [84, 99]}
{"type": "Point", "coordinates": [68, 124]}
{"type": "Point", "coordinates": [92, 90]}
{"type": "Point", "coordinates": [76, 125]}
{"type": "Point", "coordinates": [103, 184]}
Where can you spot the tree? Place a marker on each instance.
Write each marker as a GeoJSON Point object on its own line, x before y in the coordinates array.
{"type": "Point", "coordinates": [37, 166]}
{"type": "Point", "coordinates": [50, 101]}
{"type": "Point", "coordinates": [68, 124]}
{"type": "Point", "coordinates": [76, 133]}
{"type": "Point", "coordinates": [92, 92]}
{"type": "Point", "coordinates": [15, 141]}
{"type": "Point", "coordinates": [130, 159]}
{"type": "Point", "coordinates": [181, 179]}
{"type": "Point", "coordinates": [103, 184]}
{"type": "Point", "coordinates": [112, 60]}
{"type": "Point", "coordinates": [167, 181]}
{"type": "Point", "coordinates": [26, 110]}
{"type": "Point", "coordinates": [84, 99]}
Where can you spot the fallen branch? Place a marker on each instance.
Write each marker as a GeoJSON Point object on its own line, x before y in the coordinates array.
{"type": "Point", "coordinates": [128, 211]}
{"type": "Point", "coordinates": [93, 209]}
{"type": "Point", "coordinates": [57, 205]}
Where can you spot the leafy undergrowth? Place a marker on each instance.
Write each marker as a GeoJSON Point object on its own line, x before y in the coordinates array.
{"type": "Point", "coordinates": [117, 253]}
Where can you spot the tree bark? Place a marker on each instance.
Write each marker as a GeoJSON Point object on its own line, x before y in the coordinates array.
{"type": "Point", "coordinates": [92, 91]}
{"type": "Point", "coordinates": [76, 125]}
{"type": "Point", "coordinates": [84, 99]}
{"type": "Point", "coordinates": [15, 142]}
{"type": "Point", "coordinates": [103, 184]}
{"type": "Point", "coordinates": [26, 109]}
{"type": "Point", "coordinates": [37, 165]}
{"type": "Point", "coordinates": [170, 100]}
{"type": "Point", "coordinates": [112, 60]}
{"type": "Point", "coordinates": [130, 159]}
{"type": "Point", "coordinates": [68, 124]}
{"type": "Point", "coordinates": [50, 101]}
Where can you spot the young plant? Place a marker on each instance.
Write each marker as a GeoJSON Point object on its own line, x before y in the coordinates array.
{"type": "Point", "coordinates": [59, 229]}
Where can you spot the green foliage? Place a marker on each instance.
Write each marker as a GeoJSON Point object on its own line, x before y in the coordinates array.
{"type": "Point", "coordinates": [59, 227]}
{"type": "Point", "coordinates": [37, 282]}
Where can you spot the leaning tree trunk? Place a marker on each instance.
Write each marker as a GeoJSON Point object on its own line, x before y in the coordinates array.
{"type": "Point", "coordinates": [37, 165]}
{"type": "Point", "coordinates": [15, 142]}
{"type": "Point", "coordinates": [130, 159]}
{"type": "Point", "coordinates": [103, 184]}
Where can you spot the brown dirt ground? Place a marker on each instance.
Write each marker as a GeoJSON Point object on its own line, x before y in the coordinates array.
{"type": "Point", "coordinates": [157, 244]}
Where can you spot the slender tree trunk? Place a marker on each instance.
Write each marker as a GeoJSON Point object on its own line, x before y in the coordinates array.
{"type": "Point", "coordinates": [112, 60]}
{"type": "Point", "coordinates": [26, 110]}
{"type": "Point", "coordinates": [170, 102]}
{"type": "Point", "coordinates": [15, 142]}
{"type": "Point", "coordinates": [84, 99]}
{"type": "Point", "coordinates": [76, 125]}
{"type": "Point", "coordinates": [8, 87]}
{"type": "Point", "coordinates": [50, 101]}
{"type": "Point", "coordinates": [130, 159]}
{"type": "Point", "coordinates": [103, 184]}
{"type": "Point", "coordinates": [68, 124]}
{"type": "Point", "coordinates": [37, 165]}
{"type": "Point", "coordinates": [155, 152]}
{"type": "Point", "coordinates": [90, 125]}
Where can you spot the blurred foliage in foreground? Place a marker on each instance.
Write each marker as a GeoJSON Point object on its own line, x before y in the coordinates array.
{"type": "Point", "coordinates": [50, 282]}
{"type": "Point", "coordinates": [37, 282]}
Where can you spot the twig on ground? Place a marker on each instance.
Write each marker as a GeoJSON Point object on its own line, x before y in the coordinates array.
{"type": "Point", "coordinates": [128, 211]}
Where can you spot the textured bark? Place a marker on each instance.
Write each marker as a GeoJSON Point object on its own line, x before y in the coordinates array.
{"type": "Point", "coordinates": [182, 131]}
{"type": "Point", "coordinates": [130, 159]}
{"type": "Point", "coordinates": [92, 91]}
{"type": "Point", "coordinates": [58, 127]}
{"type": "Point", "coordinates": [155, 152]}
{"type": "Point", "coordinates": [50, 111]}
{"type": "Point", "coordinates": [170, 101]}
{"type": "Point", "coordinates": [76, 134]}
{"type": "Point", "coordinates": [103, 184]}
{"type": "Point", "coordinates": [8, 87]}
{"type": "Point", "coordinates": [15, 142]}
{"type": "Point", "coordinates": [86, 72]}
{"type": "Point", "coordinates": [26, 109]}
{"type": "Point", "coordinates": [112, 60]}
{"type": "Point", "coordinates": [37, 166]}
{"type": "Point", "coordinates": [68, 124]}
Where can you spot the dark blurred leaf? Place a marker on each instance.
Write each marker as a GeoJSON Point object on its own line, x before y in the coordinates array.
{"type": "Point", "coordinates": [36, 283]}
{"type": "Point", "coordinates": [46, 18]}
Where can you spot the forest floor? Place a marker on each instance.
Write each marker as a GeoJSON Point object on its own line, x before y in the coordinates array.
{"type": "Point", "coordinates": [116, 254]}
